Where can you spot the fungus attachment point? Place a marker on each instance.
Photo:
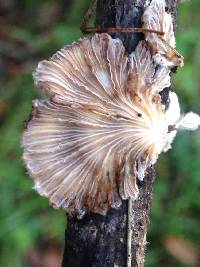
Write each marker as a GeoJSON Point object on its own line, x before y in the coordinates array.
{"type": "Point", "coordinates": [171, 128]}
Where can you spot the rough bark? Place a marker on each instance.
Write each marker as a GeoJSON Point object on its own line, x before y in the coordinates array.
{"type": "Point", "coordinates": [101, 240]}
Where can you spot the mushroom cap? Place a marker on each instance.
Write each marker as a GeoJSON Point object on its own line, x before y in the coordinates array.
{"type": "Point", "coordinates": [102, 125]}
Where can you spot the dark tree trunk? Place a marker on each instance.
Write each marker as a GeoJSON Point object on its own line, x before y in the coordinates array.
{"type": "Point", "coordinates": [101, 240]}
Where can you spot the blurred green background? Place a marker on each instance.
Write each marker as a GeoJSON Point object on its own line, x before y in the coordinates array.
{"type": "Point", "coordinates": [32, 233]}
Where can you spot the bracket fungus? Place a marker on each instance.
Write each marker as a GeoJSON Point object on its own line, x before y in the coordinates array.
{"type": "Point", "coordinates": [102, 125]}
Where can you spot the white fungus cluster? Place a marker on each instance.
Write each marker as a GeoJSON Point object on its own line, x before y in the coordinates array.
{"type": "Point", "coordinates": [162, 47]}
{"type": "Point", "coordinates": [103, 123]}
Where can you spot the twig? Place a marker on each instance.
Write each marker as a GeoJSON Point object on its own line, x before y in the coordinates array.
{"type": "Point", "coordinates": [119, 29]}
{"type": "Point", "coordinates": [88, 15]}
{"type": "Point", "coordinates": [129, 232]}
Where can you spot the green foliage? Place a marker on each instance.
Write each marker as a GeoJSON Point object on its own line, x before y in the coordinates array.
{"type": "Point", "coordinates": [25, 218]}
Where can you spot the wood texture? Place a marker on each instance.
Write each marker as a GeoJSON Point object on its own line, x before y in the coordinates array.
{"type": "Point", "coordinates": [101, 240]}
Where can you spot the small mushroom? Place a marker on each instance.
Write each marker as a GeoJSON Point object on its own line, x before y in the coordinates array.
{"type": "Point", "coordinates": [162, 47]}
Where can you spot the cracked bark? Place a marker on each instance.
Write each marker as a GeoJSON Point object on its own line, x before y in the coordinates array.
{"type": "Point", "coordinates": [101, 240]}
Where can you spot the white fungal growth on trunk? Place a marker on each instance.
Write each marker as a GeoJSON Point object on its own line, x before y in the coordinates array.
{"type": "Point", "coordinates": [102, 126]}
{"type": "Point", "coordinates": [162, 47]}
{"type": "Point", "coordinates": [190, 121]}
